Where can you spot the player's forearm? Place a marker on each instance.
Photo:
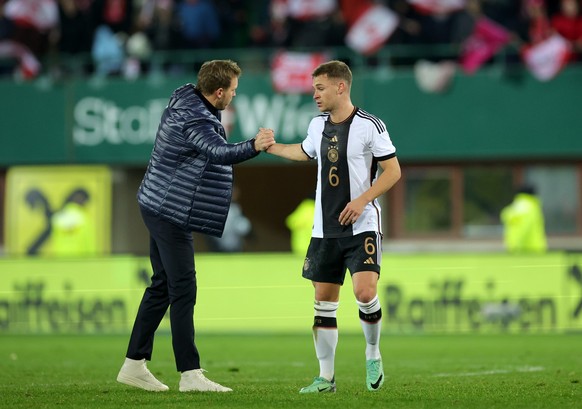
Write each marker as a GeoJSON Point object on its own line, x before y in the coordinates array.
{"type": "Point", "coordinates": [387, 179]}
{"type": "Point", "coordinates": [288, 151]}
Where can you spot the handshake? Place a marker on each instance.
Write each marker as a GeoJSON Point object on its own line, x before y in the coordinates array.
{"type": "Point", "coordinates": [265, 139]}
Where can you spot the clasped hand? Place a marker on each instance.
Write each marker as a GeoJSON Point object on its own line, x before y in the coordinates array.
{"type": "Point", "coordinates": [264, 139]}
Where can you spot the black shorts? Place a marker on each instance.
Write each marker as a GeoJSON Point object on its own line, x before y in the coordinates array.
{"type": "Point", "coordinates": [328, 259]}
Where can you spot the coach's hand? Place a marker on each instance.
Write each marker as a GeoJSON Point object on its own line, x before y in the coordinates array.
{"type": "Point", "coordinates": [264, 139]}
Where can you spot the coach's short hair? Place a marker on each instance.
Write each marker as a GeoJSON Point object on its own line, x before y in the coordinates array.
{"type": "Point", "coordinates": [217, 74]}
{"type": "Point", "coordinates": [334, 69]}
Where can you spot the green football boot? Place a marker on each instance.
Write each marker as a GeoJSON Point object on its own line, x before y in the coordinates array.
{"type": "Point", "coordinates": [319, 385]}
{"type": "Point", "coordinates": [374, 374]}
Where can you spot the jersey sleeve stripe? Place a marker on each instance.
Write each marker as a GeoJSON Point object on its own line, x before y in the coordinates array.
{"type": "Point", "coordinates": [375, 120]}
{"type": "Point", "coordinates": [385, 157]}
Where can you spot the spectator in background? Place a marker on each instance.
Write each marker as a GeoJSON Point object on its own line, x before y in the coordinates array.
{"type": "Point", "coordinates": [507, 13]}
{"type": "Point", "coordinates": [30, 26]}
{"type": "Point", "coordinates": [262, 31]}
{"type": "Point", "coordinates": [107, 52]}
{"type": "Point", "coordinates": [73, 232]}
{"type": "Point", "coordinates": [568, 22]}
{"type": "Point", "coordinates": [114, 20]}
{"type": "Point", "coordinates": [3, 24]}
{"type": "Point", "coordinates": [313, 23]}
{"type": "Point", "coordinates": [155, 29]}
{"type": "Point", "coordinates": [199, 23]}
{"type": "Point", "coordinates": [279, 26]}
{"type": "Point", "coordinates": [539, 28]}
{"type": "Point", "coordinates": [16, 59]}
{"type": "Point", "coordinates": [300, 223]}
{"type": "Point", "coordinates": [234, 22]}
{"type": "Point", "coordinates": [409, 27]}
{"type": "Point", "coordinates": [523, 221]}
{"type": "Point", "coordinates": [28, 31]}
{"type": "Point", "coordinates": [155, 19]}
{"type": "Point", "coordinates": [116, 14]}
{"type": "Point", "coordinates": [33, 24]}
{"type": "Point", "coordinates": [467, 20]}
{"type": "Point", "coordinates": [77, 26]}
{"type": "Point", "coordinates": [440, 27]}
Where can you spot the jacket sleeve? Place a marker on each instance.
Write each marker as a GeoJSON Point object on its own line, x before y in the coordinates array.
{"type": "Point", "coordinates": [202, 136]}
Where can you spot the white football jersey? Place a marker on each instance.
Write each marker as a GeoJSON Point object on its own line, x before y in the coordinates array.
{"type": "Point", "coordinates": [347, 156]}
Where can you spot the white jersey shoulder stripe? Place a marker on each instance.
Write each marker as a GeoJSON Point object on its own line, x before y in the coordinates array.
{"type": "Point", "coordinates": [374, 119]}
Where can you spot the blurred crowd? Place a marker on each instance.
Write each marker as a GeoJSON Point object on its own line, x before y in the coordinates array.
{"type": "Point", "coordinates": [113, 32]}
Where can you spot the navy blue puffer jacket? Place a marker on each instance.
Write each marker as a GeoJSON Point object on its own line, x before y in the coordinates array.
{"type": "Point", "coordinates": [188, 181]}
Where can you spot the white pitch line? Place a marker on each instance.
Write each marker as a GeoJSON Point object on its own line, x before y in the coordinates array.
{"type": "Point", "coordinates": [492, 371]}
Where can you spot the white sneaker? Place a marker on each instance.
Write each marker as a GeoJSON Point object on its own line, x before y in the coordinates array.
{"type": "Point", "coordinates": [135, 373]}
{"type": "Point", "coordinates": [195, 380]}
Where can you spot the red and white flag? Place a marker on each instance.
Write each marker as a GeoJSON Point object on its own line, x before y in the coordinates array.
{"type": "Point", "coordinates": [485, 41]}
{"type": "Point", "coordinates": [547, 58]}
{"type": "Point", "coordinates": [29, 67]}
{"type": "Point", "coordinates": [372, 30]}
{"type": "Point", "coordinates": [291, 71]}
{"type": "Point", "coordinates": [40, 14]}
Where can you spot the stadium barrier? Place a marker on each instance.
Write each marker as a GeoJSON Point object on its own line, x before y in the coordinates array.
{"type": "Point", "coordinates": [265, 293]}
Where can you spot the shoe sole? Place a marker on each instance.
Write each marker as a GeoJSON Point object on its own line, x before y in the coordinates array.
{"type": "Point", "coordinates": [138, 383]}
{"type": "Point", "coordinates": [198, 390]}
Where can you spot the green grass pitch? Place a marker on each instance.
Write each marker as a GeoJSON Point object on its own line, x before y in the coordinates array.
{"type": "Point", "coordinates": [266, 371]}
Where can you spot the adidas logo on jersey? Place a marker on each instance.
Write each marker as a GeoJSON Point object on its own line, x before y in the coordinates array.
{"type": "Point", "coordinates": [369, 260]}
{"type": "Point", "coordinates": [334, 139]}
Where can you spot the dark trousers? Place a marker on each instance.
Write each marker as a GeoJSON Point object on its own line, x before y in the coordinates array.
{"type": "Point", "coordinates": [173, 285]}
